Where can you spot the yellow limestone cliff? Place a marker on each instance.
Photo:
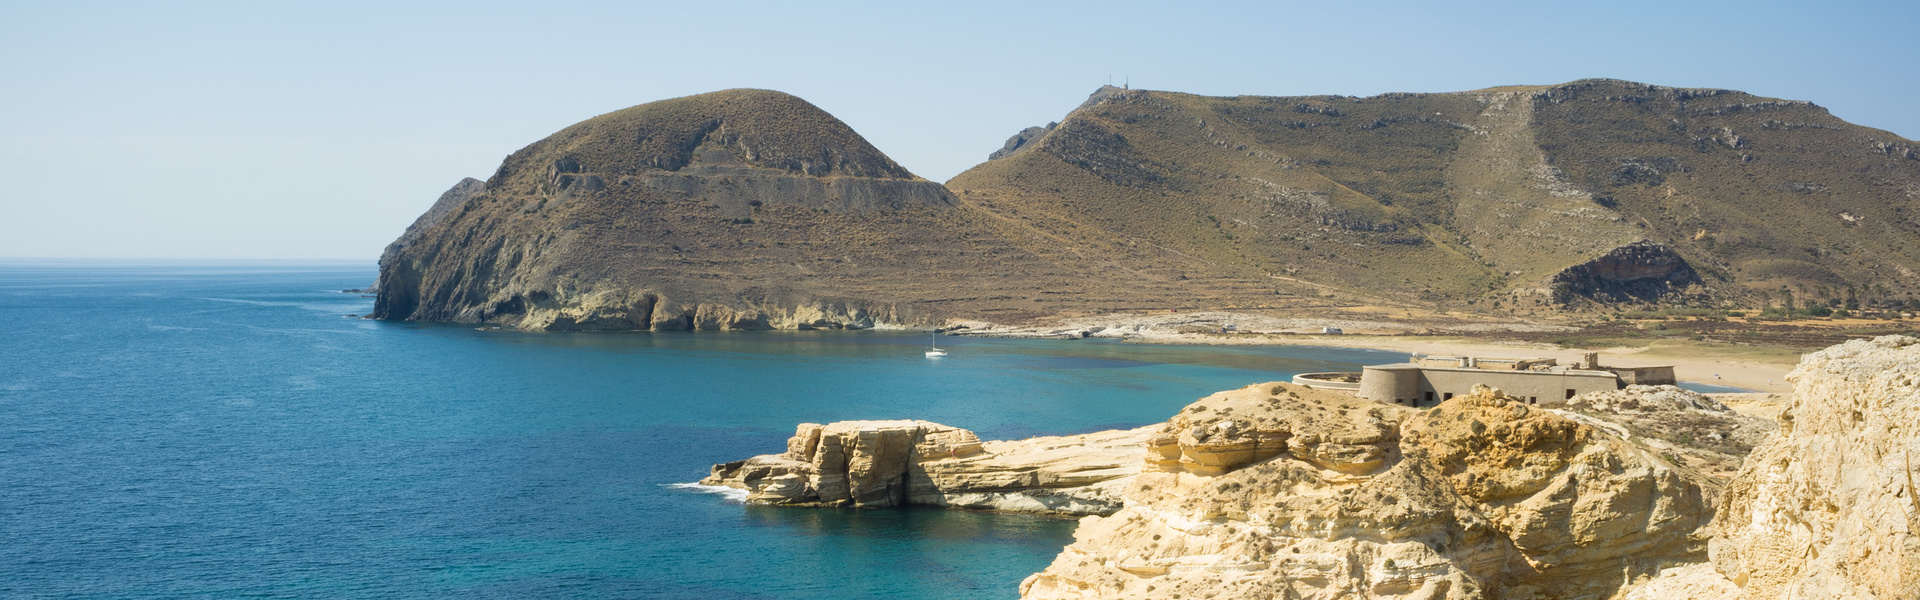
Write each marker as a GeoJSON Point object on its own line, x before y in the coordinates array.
{"type": "Point", "coordinates": [1825, 508]}
{"type": "Point", "coordinates": [1278, 491]}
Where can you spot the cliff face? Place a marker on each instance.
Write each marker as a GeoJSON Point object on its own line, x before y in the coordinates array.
{"type": "Point", "coordinates": [1277, 491]}
{"type": "Point", "coordinates": [449, 201]}
{"type": "Point", "coordinates": [1825, 508]}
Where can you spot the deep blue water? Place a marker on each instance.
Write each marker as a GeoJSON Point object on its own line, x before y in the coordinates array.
{"type": "Point", "coordinates": [221, 431]}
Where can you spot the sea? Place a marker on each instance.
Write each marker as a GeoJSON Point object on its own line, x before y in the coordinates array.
{"type": "Point", "coordinates": [233, 430]}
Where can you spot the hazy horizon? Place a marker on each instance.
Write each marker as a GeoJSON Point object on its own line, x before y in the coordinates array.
{"type": "Point", "coordinates": [240, 131]}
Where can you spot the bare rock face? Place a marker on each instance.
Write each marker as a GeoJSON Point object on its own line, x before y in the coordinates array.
{"type": "Point", "coordinates": [1826, 507]}
{"type": "Point", "coordinates": [1021, 141]}
{"type": "Point", "coordinates": [449, 201]}
{"type": "Point", "coordinates": [1643, 271]}
{"type": "Point", "coordinates": [873, 464]}
{"type": "Point", "coordinates": [1278, 491]}
{"type": "Point", "coordinates": [1693, 431]}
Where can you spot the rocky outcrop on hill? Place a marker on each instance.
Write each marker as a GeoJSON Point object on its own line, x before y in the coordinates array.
{"type": "Point", "coordinates": [874, 464]}
{"type": "Point", "coordinates": [1689, 430]}
{"type": "Point", "coordinates": [1825, 509]}
{"type": "Point", "coordinates": [1278, 491]}
{"type": "Point", "coordinates": [1020, 141]}
{"type": "Point", "coordinates": [1642, 271]}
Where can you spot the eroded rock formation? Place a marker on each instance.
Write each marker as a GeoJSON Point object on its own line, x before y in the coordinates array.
{"type": "Point", "coordinates": [1825, 508]}
{"type": "Point", "coordinates": [872, 464]}
{"type": "Point", "coordinates": [1021, 141]}
{"type": "Point", "coordinates": [1689, 430]}
{"type": "Point", "coordinates": [1277, 491]}
{"type": "Point", "coordinates": [1643, 271]}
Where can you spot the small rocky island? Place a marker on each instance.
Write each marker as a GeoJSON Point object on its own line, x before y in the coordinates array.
{"type": "Point", "coordinates": [1280, 491]}
{"type": "Point", "coordinates": [873, 464]}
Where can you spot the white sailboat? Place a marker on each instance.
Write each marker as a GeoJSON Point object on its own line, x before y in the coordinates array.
{"type": "Point", "coordinates": [933, 346]}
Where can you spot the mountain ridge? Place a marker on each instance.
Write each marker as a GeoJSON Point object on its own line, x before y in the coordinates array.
{"type": "Point", "coordinates": [1509, 179]}
{"type": "Point", "coordinates": [747, 209]}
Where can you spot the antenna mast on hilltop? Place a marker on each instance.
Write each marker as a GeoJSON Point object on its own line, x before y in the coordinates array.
{"type": "Point", "coordinates": [1127, 83]}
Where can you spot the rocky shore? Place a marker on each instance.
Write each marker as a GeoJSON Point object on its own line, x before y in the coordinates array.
{"type": "Point", "coordinates": [1279, 491]}
{"type": "Point", "coordinates": [1825, 507]}
{"type": "Point", "coordinates": [875, 464]}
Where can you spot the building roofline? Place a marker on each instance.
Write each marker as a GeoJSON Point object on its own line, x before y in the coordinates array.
{"type": "Point", "coordinates": [1560, 371]}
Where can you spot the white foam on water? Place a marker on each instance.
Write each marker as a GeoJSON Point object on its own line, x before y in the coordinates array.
{"type": "Point", "coordinates": [730, 494]}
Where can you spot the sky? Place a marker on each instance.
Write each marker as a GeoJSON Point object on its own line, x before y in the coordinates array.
{"type": "Point", "coordinates": [282, 130]}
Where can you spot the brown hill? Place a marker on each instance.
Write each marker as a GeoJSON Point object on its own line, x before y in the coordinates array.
{"type": "Point", "coordinates": [1594, 191]}
{"type": "Point", "coordinates": [754, 209]}
{"type": "Point", "coordinates": [741, 209]}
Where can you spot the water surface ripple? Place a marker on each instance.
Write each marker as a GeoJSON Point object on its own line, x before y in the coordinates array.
{"type": "Point", "coordinates": [217, 431]}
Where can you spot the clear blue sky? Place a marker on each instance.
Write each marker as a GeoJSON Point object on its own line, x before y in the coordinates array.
{"type": "Point", "coordinates": [320, 130]}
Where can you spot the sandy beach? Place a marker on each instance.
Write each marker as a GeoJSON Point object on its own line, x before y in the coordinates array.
{"type": "Point", "coordinates": [1757, 371]}
{"type": "Point", "coordinates": [1754, 368]}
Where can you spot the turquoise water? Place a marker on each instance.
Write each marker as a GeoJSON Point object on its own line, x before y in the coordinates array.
{"type": "Point", "coordinates": [1708, 388]}
{"type": "Point", "coordinates": [221, 431]}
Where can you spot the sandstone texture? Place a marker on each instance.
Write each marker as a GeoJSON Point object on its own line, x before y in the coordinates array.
{"type": "Point", "coordinates": [874, 464]}
{"type": "Point", "coordinates": [1825, 508]}
{"type": "Point", "coordinates": [1690, 430]}
{"type": "Point", "coordinates": [1691, 582]}
{"type": "Point", "coordinates": [1278, 491]}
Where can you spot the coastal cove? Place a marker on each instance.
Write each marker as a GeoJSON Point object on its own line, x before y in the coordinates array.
{"type": "Point", "coordinates": [215, 430]}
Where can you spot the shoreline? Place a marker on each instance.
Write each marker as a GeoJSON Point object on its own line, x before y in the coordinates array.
{"type": "Point", "coordinates": [1760, 369]}
{"type": "Point", "coordinates": [1753, 375]}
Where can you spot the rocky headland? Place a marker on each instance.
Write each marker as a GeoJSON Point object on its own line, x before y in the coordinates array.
{"type": "Point", "coordinates": [1279, 491]}
{"type": "Point", "coordinates": [741, 209]}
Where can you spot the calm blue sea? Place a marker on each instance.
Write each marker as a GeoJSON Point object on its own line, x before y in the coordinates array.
{"type": "Point", "coordinates": [197, 430]}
